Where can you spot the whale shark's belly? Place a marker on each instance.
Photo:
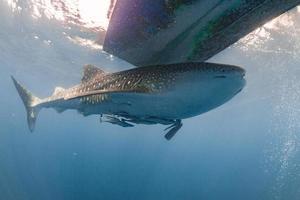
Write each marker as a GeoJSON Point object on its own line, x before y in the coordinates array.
{"type": "Point", "coordinates": [166, 105]}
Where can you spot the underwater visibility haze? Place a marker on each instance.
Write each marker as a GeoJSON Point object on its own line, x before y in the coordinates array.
{"type": "Point", "coordinates": [248, 148]}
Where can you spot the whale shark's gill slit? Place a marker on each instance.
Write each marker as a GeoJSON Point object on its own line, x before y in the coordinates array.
{"type": "Point", "coordinates": [220, 76]}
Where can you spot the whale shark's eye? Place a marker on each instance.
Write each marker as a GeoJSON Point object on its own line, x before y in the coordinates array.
{"type": "Point", "coordinates": [220, 76]}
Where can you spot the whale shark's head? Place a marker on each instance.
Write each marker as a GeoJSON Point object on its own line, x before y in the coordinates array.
{"type": "Point", "coordinates": [227, 78]}
{"type": "Point", "coordinates": [210, 84]}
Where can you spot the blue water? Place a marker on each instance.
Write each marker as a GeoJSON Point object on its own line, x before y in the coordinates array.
{"type": "Point", "coordinates": [246, 149]}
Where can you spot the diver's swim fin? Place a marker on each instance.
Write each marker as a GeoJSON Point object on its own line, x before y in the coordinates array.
{"type": "Point", "coordinates": [173, 129]}
{"type": "Point", "coordinates": [30, 103]}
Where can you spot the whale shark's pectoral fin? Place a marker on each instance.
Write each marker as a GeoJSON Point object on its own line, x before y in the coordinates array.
{"type": "Point", "coordinates": [173, 129]}
{"type": "Point", "coordinates": [115, 120]}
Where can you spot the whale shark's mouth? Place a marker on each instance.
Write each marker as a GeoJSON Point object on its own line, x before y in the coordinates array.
{"type": "Point", "coordinates": [220, 76]}
{"type": "Point", "coordinates": [242, 74]}
{"type": "Point", "coordinates": [238, 91]}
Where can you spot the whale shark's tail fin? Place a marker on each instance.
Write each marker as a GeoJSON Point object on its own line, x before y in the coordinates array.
{"type": "Point", "coordinates": [31, 104]}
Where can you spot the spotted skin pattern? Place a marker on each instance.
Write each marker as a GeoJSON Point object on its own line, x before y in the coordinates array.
{"type": "Point", "coordinates": [162, 94]}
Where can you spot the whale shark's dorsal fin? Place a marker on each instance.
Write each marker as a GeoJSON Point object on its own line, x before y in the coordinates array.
{"type": "Point", "coordinates": [90, 72]}
{"type": "Point", "coordinates": [58, 90]}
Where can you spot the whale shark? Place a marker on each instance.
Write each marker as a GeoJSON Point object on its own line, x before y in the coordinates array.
{"type": "Point", "coordinates": [160, 94]}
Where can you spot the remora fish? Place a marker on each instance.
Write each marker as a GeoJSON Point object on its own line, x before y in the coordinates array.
{"type": "Point", "coordinates": [163, 94]}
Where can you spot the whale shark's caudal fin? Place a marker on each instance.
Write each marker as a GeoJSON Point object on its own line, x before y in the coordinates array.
{"type": "Point", "coordinates": [31, 104]}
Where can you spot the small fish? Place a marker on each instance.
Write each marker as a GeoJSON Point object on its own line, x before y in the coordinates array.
{"type": "Point", "coordinates": [163, 94]}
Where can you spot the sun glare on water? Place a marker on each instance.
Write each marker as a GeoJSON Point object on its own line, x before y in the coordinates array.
{"type": "Point", "coordinates": [94, 11]}
{"type": "Point", "coordinates": [87, 13]}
